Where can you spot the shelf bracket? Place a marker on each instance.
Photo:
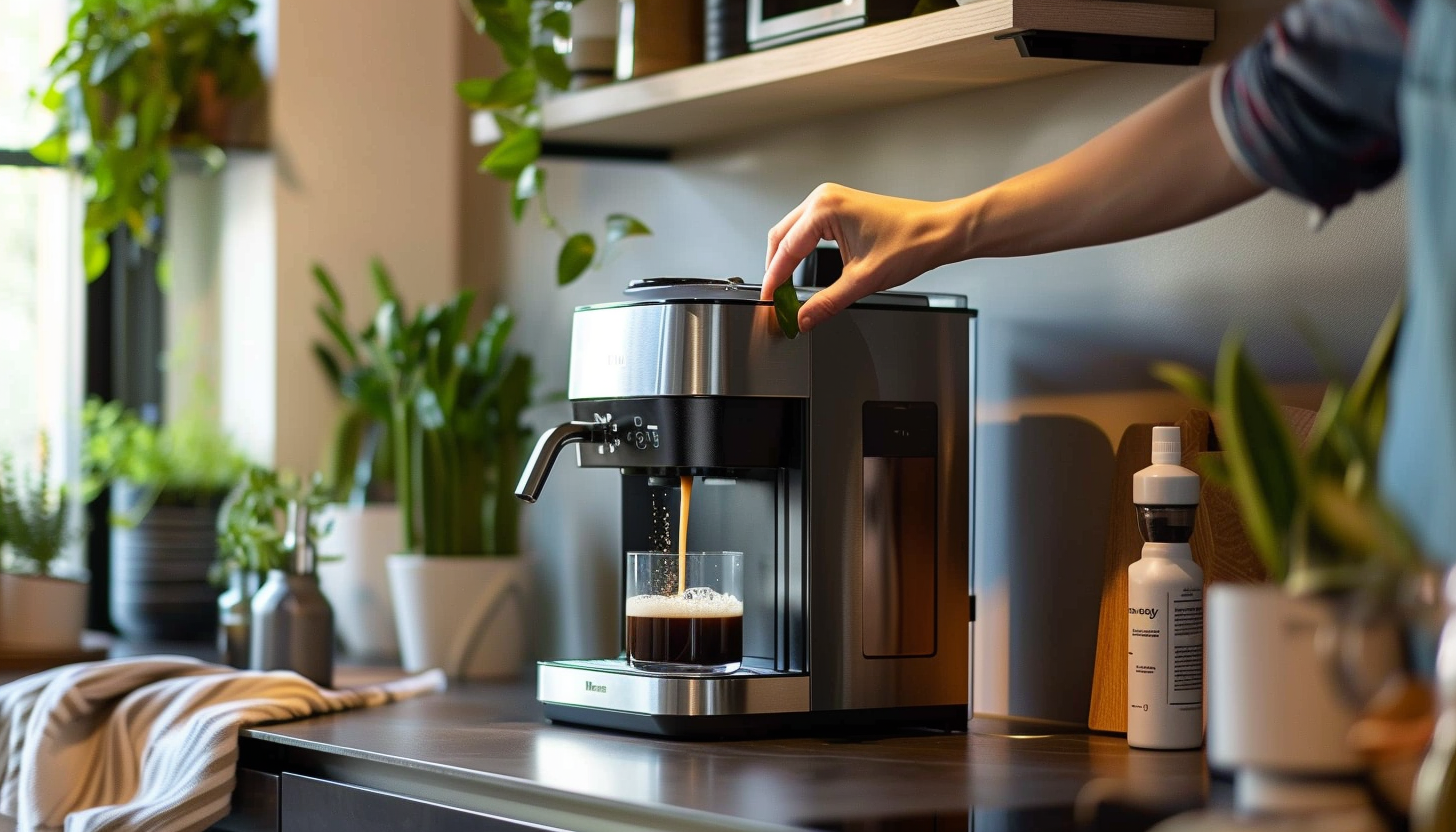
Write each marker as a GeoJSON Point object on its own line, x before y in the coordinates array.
{"type": "Point", "coordinates": [604, 152]}
{"type": "Point", "coordinates": [1087, 46]}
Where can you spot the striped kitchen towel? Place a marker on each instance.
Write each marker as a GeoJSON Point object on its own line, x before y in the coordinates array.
{"type": "Point", "coordinates": [148, 743]}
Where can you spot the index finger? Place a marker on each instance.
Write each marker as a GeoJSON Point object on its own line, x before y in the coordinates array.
{"type": "Point", "coordinates": [801, 239]}
{"type": "Point", "coordinates": [775, 240]}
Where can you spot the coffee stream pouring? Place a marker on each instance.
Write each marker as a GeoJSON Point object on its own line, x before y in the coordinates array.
{"type": "Point", "coordinates": [829, 522]}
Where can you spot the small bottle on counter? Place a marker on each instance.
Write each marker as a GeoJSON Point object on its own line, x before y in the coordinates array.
{"type": "Point", "coordinates": [1165, 606]}
{"type": "Point", "coordinates": [235, 617]}
{"type": "Point", "coordinates": [293, 624]}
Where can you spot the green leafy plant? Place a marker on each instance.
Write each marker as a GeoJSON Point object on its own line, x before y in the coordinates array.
{"type": "Point", "coordinates": [524, 33]}
{"type": "Point", "coordinates": [361, 460]}
{"type": "Point", "coordinates": [133, 80]}
{"type": "Point", "coordinates": [455, 403]}
{"type": "Point", "coordinates": [188, 461]}
{"type": "Point", "coordinates": [252, 532]}
{"type": "Point", "coordinates": [35, 517]}
{"type": "Point", "coordinates": [1313, 514]}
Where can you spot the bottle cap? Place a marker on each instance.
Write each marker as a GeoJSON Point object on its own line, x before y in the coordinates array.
{"type": "Point", "coordinates": [1167, 446]}
{"type": "Point", "coordinates": [296, 539]}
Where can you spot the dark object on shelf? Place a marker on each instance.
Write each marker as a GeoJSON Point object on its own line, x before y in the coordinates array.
{"type": "Point", "coordinates": [1082, 46]}
{"type": "Point", "coordinates": [159, 585]}
{"type": "Point", "coordinates": [725, 29]}
{"type": "Point", "coordinates": [657, 35]}
{"type": "Point", "coordinates": [777, 22]}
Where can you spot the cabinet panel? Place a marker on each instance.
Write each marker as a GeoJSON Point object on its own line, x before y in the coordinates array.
{"type": "Point", "coordinates": [255, 803]}
{"type": "Point", "coordinates": [312, 805]}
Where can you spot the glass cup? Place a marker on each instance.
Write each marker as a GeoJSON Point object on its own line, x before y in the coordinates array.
{"type": "Point", "coordinates": [688, 626]}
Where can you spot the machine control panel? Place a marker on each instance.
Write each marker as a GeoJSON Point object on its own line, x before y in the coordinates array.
{"type": "Point", "coordinates": [690, 432]}
{"type": "Point", "coordinates": [632, 431]}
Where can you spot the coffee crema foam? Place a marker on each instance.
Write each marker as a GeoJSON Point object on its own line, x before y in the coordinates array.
{"type": "Point", "coordinates": [697, 602]}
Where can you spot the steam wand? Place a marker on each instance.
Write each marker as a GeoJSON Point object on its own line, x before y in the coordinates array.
{"type": "Point", "coordinates": [544, 456]}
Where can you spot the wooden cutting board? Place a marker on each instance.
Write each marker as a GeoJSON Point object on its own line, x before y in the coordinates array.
{"type": "Point", "coordinates": [1219, 547]}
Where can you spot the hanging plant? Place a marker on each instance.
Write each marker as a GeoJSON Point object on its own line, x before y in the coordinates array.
{"type": "Point", "coordinates": [525, 32]}
{"type": "Point", "coordinates": [134, 80]}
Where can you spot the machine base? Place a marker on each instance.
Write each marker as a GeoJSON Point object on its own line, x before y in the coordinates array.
{"type": "Point", "coordinates": [946, 718]}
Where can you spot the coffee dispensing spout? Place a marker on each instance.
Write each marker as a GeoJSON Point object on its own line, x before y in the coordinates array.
{"type": "Point", "coordinates": [547, 447]}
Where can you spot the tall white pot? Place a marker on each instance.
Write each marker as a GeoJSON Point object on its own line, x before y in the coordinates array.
{"type": "Point", "coordinates": [465, 615]}
{"type": "Point", "coordinates": [357, 583]}
{"type": "Point", "coordinates": [1278, 717]}
{"type": "Point", "coordinates": [41, 613]}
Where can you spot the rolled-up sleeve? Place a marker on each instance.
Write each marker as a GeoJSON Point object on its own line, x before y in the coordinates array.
{"type": "Point", "coordinates": [1310, 108]}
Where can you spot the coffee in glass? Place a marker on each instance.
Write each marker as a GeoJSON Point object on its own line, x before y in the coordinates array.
{"type": "Point", "coordinates": [697, 630]}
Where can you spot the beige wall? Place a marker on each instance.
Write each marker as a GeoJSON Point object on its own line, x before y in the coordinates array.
{"type": "Point", "coordinates": [368, 142]}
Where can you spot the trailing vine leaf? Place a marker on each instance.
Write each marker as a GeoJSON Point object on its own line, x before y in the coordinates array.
{"type": "Point", "coordinates": [528, 184]}
{"type": "Point", "coordinates": [557, 22]}
{"type": "Point", "coordinates": [513, 89]}
{"type": "Point", "coordinates": [52, 150]}
{"type": "Point", "coordinates": [514, 152]}
{"type": "Point", "coordinates": [552, 67]}
{"type": "Point", "coordinates": [786, 308]}
{"type": "Point", "coordinates": [620, 226]}
{"type": "Point", "coordinates": [576, 255]}
{"type": "Point", "coordinates": [510, 31]}
{"type": "Point", "coordinates": [96, 253]}
{"type": "Point", "coordinates": [474, 91]}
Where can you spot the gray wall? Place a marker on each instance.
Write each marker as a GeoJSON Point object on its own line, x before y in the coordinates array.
{"type": "Point", "coordinates": [1065, 339]}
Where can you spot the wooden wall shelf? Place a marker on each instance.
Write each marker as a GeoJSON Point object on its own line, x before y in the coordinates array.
{"type": "Point", "coordinates": [923, 57]}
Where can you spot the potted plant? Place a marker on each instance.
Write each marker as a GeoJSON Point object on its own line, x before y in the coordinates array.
{"type": "Point", "coordinates": [1280, 708]}
{"type": "Point", "coordinates": [39, 610]}
{"type": "Point", "coordinates": [167, 483]}
{"type": "Point", "coordinates": [360, 477]}
{"type": "Point", "coordinates": [251, 541]}
{"type": "Point", "coordinates": [134, 80]}
{"type": "Point", "coordinates": [525, 33]}
{"type": "Point", "coordinates": [456, 400]}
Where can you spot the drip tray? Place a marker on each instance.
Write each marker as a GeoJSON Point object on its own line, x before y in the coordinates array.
{"type": "Point", "coordinates": [612, 684]}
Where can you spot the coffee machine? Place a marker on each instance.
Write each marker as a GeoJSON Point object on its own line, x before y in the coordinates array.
{"type": "Point", "coordinates": [837, 462]}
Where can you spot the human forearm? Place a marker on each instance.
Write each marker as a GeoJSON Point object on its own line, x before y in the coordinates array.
{"type": "Point", "coordinates": [1160, 168]}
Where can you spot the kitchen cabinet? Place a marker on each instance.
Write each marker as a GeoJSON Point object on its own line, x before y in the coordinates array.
{"type": "Point", "coordinates": [923, 57]}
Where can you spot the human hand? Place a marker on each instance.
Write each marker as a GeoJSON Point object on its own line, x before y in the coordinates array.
{"type": "Point", "coordinates": [883, 240]}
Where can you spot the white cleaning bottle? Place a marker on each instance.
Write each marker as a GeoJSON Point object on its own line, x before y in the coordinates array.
{"type": "Point", "coordinates": [1165, 606]}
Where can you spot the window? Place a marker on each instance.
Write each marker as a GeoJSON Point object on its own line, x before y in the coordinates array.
{"type": "Point", "coordinates": [41, 288]}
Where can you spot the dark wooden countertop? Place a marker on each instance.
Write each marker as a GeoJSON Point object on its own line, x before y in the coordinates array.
{"type": "Point", "coordinates": [488, 748]}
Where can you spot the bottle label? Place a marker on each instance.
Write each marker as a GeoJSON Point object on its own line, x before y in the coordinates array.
{"type": "Point", "coordinates": [1164, 650]}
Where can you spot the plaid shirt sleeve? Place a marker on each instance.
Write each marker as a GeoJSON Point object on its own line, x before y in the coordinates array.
{"type": "Point", "coordinates": [1309, 108]}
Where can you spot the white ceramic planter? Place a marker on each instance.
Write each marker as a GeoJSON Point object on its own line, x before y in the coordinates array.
{"type": "Point", "coordinates": [357, 584]}
{"type": "Point", "coordinates": [41, 613]}
{"type": "Point", "coordinates": [465, 615]}
{"type": "Point", "coordinates": [1277, 715]}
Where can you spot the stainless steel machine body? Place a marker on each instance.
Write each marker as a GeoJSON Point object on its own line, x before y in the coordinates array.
{"type": "Point", "coordinates": [838, 462]}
